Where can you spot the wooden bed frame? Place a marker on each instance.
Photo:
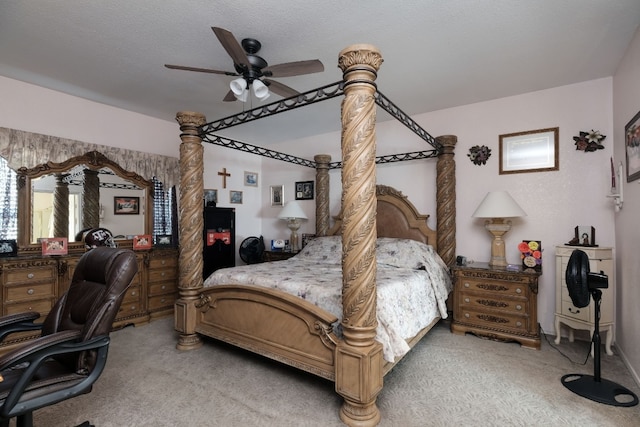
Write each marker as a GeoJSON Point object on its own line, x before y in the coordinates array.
{"type": "Point", "coordinates": [292, 330]}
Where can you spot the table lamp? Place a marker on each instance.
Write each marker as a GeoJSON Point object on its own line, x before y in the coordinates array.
{"type": "Point", "coordinates": [498, 205]}
{"type": "Point", "coordinates": [293, 214]}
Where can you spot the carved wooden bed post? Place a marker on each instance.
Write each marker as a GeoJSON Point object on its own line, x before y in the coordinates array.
{"type": "Point", "coordinates": [322, 193]}
{"type": "Point", "coordinates": [191, 224]}
{"type": "Point", "coordinates": [446, 199]}
{"type": "Point", "coordinates": [359, 362]}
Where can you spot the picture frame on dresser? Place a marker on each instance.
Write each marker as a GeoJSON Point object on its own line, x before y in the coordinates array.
{"type": "Point", "coordinates": [54, 246]}
{"type": "Point", "coordinates": [8, 248]}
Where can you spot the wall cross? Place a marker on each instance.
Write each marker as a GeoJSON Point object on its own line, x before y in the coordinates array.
{"type": "Point", "coordinates": [224, 174]}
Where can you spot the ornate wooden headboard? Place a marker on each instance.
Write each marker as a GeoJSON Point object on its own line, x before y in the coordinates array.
{"type": "Point", "coordinates": [397, 217]}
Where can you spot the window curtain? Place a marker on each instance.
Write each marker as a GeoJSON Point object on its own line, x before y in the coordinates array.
{"type": "Point", "coordinates": [9, 203]}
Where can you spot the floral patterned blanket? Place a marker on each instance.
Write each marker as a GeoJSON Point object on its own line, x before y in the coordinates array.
{"type": "Point", "coordinates": [412, 282]}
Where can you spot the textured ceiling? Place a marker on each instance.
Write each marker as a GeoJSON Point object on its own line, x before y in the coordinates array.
{"type": "Point", "coordinates": [437, 53]}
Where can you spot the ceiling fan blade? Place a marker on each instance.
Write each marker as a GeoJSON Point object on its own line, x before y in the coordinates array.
{"type": "Point", "coordinates": [200, 70]}
{"type": "Point", "coordinates": [229, 97]}
{"type": "Point", "coordinates": [289, 69]}
{"type": "Point", "coordinates": [280, 89]}
{"type": "Point", "coordinates": [231, 45]}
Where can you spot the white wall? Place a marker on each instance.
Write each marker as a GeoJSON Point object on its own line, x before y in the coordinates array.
{"type": "Point", "coordinates": [626, 96]}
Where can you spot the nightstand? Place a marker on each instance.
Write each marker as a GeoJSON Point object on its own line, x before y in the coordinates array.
{"type": "Point", "coordinates": [496, 303]}
{"type": "Point", "coordinates": [268, 256]}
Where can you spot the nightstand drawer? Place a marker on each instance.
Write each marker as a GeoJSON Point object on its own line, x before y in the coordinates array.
{"type": "Point", "coordinates": [472, 301]}
{"type": "Point", "coordinates": [570, 310]}
{"type": "Point", "coordinates": [494, 287]}
{"type": "Point", "coordinates": [496, 320]}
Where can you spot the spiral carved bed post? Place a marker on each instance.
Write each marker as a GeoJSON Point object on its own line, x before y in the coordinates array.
{"type": "Point", "coordinates": [446, 199]}
{"type": "Point", "coordinates": [61, 207]}
{"type": "Point", "coordinates": [91, 199]}
{"type": "Point", "coordinates": [322, 193]}
{"type": "Point", "coordinates": [191, 224]}
{"type": "Point", "coordinates": [359, 360]}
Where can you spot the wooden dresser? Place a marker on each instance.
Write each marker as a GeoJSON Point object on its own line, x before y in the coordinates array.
{"type": "Point", "coordinates": [31, 282]}
{"type": "Point", "coordinates": [496, 303]}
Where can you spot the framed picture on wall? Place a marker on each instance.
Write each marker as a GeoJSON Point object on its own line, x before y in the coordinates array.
{"type": "Point", "coordinates": [277, 195]}
{"type": "Point", "coordinates": [530, 151]}
{"type": "Point", "coordinates": [632, 147]}
{"type": "Point", "coordinates": [210, 197]}
{"type": "Point", "coordinates": [126, 205]}
{"type": "Point", "coordinates": [304, 190]}
{"type": "Point", "coordinates": [250, 179]}
{"type": "Point", "coordinates": [235, 197]}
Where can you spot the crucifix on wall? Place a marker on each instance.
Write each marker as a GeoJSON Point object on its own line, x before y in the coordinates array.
{"type": "Point", "coordinates": [224, 174]}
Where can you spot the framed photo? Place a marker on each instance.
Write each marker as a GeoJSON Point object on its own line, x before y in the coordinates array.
{"type": "Point", "coordinates": [277, 195]}
{"type": "Point", "coordinates": [250, 179]}
{"type": "Point", "coordinates": [531, 151]}
{"type": "Point", "coordinates": [531, 254]}
{"type": "Point", "coordinates": [164, 241]}
{"type": "Point", "coordinates": [126, 205]}
{"type": "Point", "coordinates": [142, 241]}
{"type": "Point", "coordinates": [235, 197]}
{"type": "Point", "coordinates": [8, 248]}
{"type": "Point", "coordinates": [632, 147]}
{"type": "Point", "coordinates": [54, 246]}
{"type": "Point", "coordinates": [210, 197]}
{"type": "Point", "coordinates": [304, 190]}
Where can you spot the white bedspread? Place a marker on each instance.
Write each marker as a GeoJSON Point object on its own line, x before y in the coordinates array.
{"type": "Point", "coordinates": [412, 282]}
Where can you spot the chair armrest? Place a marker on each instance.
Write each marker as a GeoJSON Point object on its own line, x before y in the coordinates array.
{"type": "Point", "coordinates": [18, 322]}
{"type": "Point", "coordinates": [27, 351]}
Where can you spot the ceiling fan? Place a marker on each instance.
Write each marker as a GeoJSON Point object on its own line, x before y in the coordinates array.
{"type": "Point", "coordinates": [253, 70]}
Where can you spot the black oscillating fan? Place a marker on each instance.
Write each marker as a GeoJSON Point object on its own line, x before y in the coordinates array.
{"type": "Point", "coordinates": [251, 250]}
{"type": "Point", "coordinates": [581, 284]}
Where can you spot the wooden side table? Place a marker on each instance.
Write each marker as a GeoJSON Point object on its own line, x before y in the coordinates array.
{"type": "Point", "coordinates": [268, 256]}
{"type": "Point", "coordinates": [496, 303]}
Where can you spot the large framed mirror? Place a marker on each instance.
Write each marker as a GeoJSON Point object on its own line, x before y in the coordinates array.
{"type": "Point", "coordinates": [61, 199]}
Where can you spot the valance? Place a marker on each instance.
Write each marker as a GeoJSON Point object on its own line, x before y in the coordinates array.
{"type": "Point", "coordinates": [28, 149]}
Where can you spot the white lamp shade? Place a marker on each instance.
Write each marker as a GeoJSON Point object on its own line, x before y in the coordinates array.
{"type": "Point", "coordinates": [260, 90]}
{"type": "Point", "coordinates": [238, 86]}
{"type": "Point", "coordinates": [498, 204]}
{"type": "Point", "coordinates": [292, 210]}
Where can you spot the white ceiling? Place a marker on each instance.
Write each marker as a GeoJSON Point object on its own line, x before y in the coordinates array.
{"type": "Point", "coordinates": [437, 53]}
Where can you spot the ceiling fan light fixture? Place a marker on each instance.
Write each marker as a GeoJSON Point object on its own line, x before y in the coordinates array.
{"type": "Point", "coordinates": [260, 90]}
{"type": "Point", "coordinates": [238, 86]}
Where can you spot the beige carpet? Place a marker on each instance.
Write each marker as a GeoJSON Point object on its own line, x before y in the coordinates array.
{"type": "Point", "coordinates": [447, 380]}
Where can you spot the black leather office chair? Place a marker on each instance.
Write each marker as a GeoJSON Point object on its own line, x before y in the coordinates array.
{"type": "Point", "coordinates": [71, 352]}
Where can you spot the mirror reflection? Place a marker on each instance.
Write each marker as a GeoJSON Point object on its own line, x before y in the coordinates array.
{"type": "Point", "coordinates": [112, 190]}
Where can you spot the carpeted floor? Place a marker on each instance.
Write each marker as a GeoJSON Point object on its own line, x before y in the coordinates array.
{"type": "Point", "coordinates": [446, 380]}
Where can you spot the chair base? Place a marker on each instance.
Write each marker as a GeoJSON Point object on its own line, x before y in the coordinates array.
{"type": "Point", "coordinates": [603, 391]}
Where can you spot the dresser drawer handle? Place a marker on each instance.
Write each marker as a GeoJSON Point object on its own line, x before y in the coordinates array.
{"type": "Point", "coordinates": [518, 291]}
{"type": "Point", "coordinates": [466, 299]}
{"type": "Point", "coordinates": [466, 284]}
{"type": "Point", "coordinates": [163, 300]}
{"type": "Point", "coordinates": [134, 293]}
{"type": "Point", "coordinates": [163, 287]}
{"type": "Point", "coordinates": [31, 291]}
{"type": "Point", "coordinates": [466, 315]}
{"type": "Point", "coordinates": [163, 274]}
{"type": "Point", "coordinates": [163, 262]}
{"type": "Point", "coordinates": [30, 276]}
{"type": "Point", "coordinates": [518, 307]}
{"type": "Point", "coordinates": [518, 324]}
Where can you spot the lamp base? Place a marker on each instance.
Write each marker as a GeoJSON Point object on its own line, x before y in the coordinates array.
{"type": "Point", "coordinates": [498, 227]}
{"type": "Point", "coordinates": [294, 225]}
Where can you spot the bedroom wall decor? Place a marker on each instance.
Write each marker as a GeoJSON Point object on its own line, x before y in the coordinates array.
{"type": "Point", "coordinates": [250, 179]}
{"type": "Point", "coordinates": [530, 151]}
{"type": "Point", "coordinates": [304, 190]}
{"type": "Point", "coordinates": [479, 154]}
{"type": "Point", "coordinates": [589, 141]}
{"type": "Point", "coordinates": [632, 147]}
{"type": "Point", "coordinates": [277, 195]}
{"type": "Point", "coordinates": [210, 197]}
{"type": "Point", "coordinates": [235, 197]}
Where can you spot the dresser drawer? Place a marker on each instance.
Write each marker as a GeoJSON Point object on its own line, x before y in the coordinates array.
{"type": "Point", "coordinates": [495, 288]}
{"type": "Point", "coordinates": [163, 262]}
{"type": "Point", "coordinates": [29, 292]}
{"type": "Point", "coordinates": [162, 301]}
{"type": "Point", "coordinates": [518, 324]}
{"type": "Point", "coordinates": [478, 301]}
{"type": "Point", "coordinates": [42, 306]}
{"type": "Point", "coordinates": [162, 274]}
{"type": "Point", "coordinates": [128, 309]}
{"type": "Point", "coordinates": [133, 295]}
{"type": "Point", "coordinates": [162, 288]}
{"type": "Point", "coordinates": [30, 275]}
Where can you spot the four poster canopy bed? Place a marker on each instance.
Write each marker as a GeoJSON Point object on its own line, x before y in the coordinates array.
{"type": "Point", "coordinates": [379, 233]}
